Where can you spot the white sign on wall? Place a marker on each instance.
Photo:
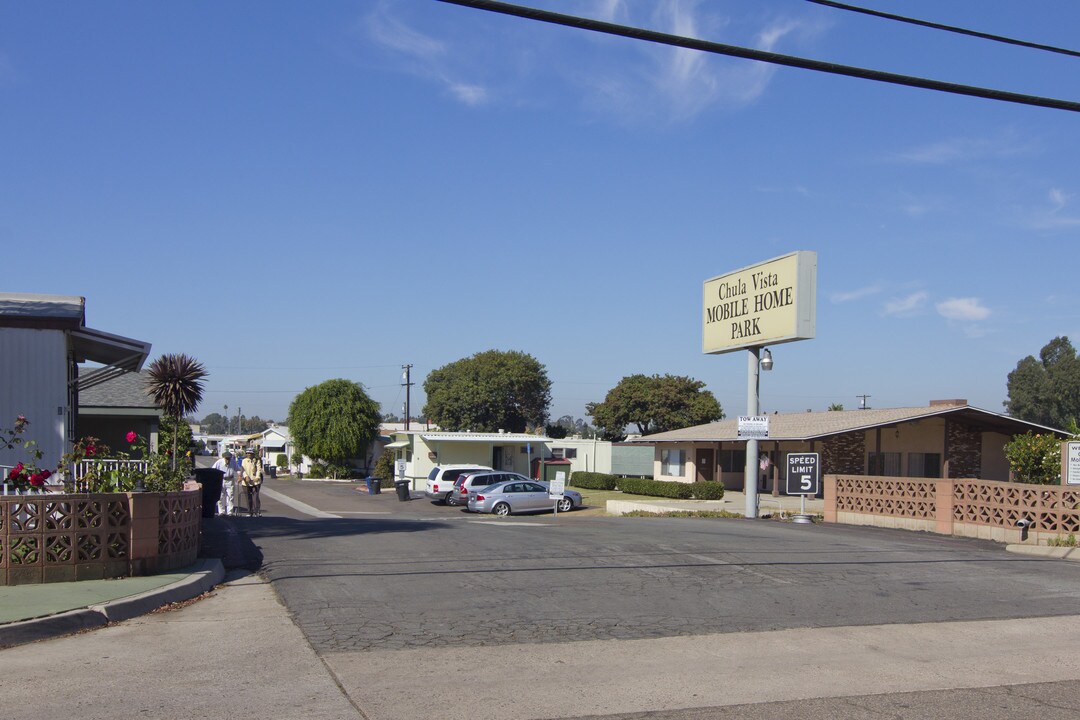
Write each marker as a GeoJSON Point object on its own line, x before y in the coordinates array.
{"type": "Point", "coordinates": [1072, 464]}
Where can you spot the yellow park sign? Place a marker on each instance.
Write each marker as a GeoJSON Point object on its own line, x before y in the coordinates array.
{"type": "Point", "coordinates": [765, 304]}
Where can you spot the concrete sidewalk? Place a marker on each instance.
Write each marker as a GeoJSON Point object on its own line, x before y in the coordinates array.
{"type": "Point", "coordinates": [35, 612]}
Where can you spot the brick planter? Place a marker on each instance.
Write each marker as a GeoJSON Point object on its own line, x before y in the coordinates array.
{"type": "Point", "coordinates": [65, 537]}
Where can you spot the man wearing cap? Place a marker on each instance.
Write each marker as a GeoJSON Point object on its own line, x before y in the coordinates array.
{"type": "Point", "coordinates": [251, 478]}
{"type": "Point", "coordinates": [227, 500]}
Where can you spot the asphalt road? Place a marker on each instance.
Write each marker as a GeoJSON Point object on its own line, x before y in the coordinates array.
{"type": "Point", "coordinates": [423, 575]}
{"type": "Point", "coordinates": [420, 610]}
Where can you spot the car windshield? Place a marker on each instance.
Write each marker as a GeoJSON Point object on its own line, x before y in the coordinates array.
{"type": "Point", "coordinates": [434, 473]}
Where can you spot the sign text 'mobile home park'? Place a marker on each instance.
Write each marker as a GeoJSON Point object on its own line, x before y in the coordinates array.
{"type": "Point", "coordinates": [765, 304]}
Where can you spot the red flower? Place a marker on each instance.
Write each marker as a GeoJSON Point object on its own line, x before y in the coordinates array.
{"type": "Point", "coordinates": [90, 449]}
{"type": "Point", "coordinates": [37, 480]}
{"type": "Point", "coordinates": [15, 472]}
{"type": "Point", "coordinates": [132, 437]}
{"type": "Point", "coordinates": [46, 474]}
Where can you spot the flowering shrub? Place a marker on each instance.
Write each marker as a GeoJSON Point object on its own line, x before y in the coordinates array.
{"type": "Point", "coordinates": [24, 475]}
{"type": "Point", "coordinates": [1035, 459]}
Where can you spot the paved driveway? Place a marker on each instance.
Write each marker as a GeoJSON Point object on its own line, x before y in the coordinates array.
{"type": "Point", "coordinates": [392, 575]}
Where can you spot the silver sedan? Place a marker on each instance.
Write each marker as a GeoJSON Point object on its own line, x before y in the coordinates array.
{"type": "Point", "coordinates": [520, 497]}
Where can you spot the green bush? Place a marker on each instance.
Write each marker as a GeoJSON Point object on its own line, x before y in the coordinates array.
{"type": "Point", "coordinates": [656, 488]}
{"type": "Point", "coordinates": [281, 461]}
{"type": "Point", "coordinates": [708, 490]}
{"type": "Point", "coordinates": [593, 481]}
{"type": "Point", "coordinates": [384, 466]}
{"type": "Point", "coordinates": [318, 470]}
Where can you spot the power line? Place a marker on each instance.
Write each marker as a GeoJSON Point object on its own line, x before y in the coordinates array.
{"type": "Point", "coordinates": [947, 28]}
{"type": "Point", "coordinates": [762, 55]}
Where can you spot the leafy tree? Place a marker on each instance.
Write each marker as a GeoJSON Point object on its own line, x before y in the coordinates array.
{"type": "Point", "coordinates": [334, 421]}
{"type": "Point", "coordinates": [655, 404]}
{"type": "Point", "coordinates": [1047, 391]}
{"type": "Point", "coordinates": [555, 432]}
{"type": "Point", "coordinates": [836, 407]}
{"type": "Point", "coordinates": [213, 424]}
{"type": "Point", "coordinates": [1035, 459]}
{"type": "Point", "coordinates": [490, 391]}
{"type": "Point", "coordinates": [177, 387]}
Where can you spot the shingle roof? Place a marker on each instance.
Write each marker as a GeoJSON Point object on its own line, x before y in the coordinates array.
{"type": "Point", "coordinates": [814, 425]}
{"type": "Point", "coordinates": [129, 390]}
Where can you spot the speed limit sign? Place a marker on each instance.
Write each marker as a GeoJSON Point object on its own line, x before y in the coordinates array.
{"type": "Point", "coordinates": [803, 473]}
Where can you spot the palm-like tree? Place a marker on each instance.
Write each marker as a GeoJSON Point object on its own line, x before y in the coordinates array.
{"type": "Point", "coordinates": [176, 384]}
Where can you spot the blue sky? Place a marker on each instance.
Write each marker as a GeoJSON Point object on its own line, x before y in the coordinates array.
{"type": "Point", "coordinates": [293, 192]}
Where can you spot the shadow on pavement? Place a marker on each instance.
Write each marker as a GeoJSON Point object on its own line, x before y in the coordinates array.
{"type": "Point", "coordinates": [329, 527]}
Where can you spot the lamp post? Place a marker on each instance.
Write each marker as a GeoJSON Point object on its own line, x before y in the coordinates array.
{"type": "Point", "coordinates": [755, 363]}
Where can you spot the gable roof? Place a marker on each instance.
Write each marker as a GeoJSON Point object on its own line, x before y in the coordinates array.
{"type": "Point", "coordinates": [129, 390]}
{"type": "Point", "coordinates": [818, 425]}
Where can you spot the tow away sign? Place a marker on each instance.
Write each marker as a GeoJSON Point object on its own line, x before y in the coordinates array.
{"type": "Point", "coordinates": [754, 427]}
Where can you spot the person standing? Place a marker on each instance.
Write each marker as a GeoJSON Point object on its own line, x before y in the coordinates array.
{"type": "Point", "coordinates": [227, 500]}
{"type": "Point", "coordinates": [251, 478]}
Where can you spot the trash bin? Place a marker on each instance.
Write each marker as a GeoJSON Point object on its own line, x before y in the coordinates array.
{"type": "Point", "coordinates": [374, 485]}
{"type": "Point", "coordinates": [402, 487]}
{"type": "Point", "coordinates": [272, 470]}
{"type": "Point", "coordinates": [210, 479]}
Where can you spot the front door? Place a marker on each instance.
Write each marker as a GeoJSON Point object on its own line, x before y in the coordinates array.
{"type": "Point", "coordinates": [706, 465]}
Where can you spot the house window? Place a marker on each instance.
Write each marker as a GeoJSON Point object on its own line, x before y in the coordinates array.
{"type": "Point", "coordinates": [887, 464]}
{"type": "Point", "coordinates": [732, 461]}
{"type": "Point", "coordinates": [571, 453]}
{"type": "Point", "coordinates": [924, 465]}
{"type": "Point", "coordinates": [557, 453]}
{"type": "Point", "coordinates": [671, 462]}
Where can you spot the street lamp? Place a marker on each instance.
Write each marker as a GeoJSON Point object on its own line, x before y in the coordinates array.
{"type": "Point", "coordinates": [766, 361]}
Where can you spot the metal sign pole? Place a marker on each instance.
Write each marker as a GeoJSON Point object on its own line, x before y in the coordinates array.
{"type": "Point", "coordinates": [750, 480]}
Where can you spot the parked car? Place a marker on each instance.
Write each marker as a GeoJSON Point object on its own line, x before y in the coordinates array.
{"type": "Point", "coordinates": [475, 481]}
{"type": "Point", "coordinates": [520, 496]}
{"type": "Point", "coordinates": [440, 481]}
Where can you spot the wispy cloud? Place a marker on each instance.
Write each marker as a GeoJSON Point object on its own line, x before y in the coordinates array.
{"type": "Point", "coordinates": [423, 54]}
{"type": "Point", "coordinates": [857, 294]}
{"type": "Point", "coordinates": [632, 82]}
{"type": "Point", "coordinates": [1058, 212]}
{"type": "Point", "coordinates": [959, 150]}
{"type": "Point", "coordinates": [907, 306]}
{"type": "Point", "coordinates": [963, 309]}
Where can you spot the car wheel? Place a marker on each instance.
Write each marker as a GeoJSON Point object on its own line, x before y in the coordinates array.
{"type": "Point", "coordinates": [502, 510]}
{"type": "Point", "coordinates": [566, 505]}
{"type": "Point", "coordinates": [450, 499]}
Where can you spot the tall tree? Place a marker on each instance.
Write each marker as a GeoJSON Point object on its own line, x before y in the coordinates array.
{"type": "Point", "coordinates": [1047, 390]}
{"type": "Point", "coordinates": [334, 421]}
{"type": "Point", "coordinates": [490, 391]}
{"type": "Point", "coordinates": [177, 387]}
{"type": "Point", "coordinates": [655, 403]}
{"type": "Point", "coordinates": [214, 424]}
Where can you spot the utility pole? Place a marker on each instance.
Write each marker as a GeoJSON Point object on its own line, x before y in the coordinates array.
{"type": "Point", "coordinates": [862, 401]}
{"type": "Point", "coordinates": [226, 419]}
{"type": "Point", "coordinates": [406, 378]}
{"type": "Point", "coordinates": [239, 422]}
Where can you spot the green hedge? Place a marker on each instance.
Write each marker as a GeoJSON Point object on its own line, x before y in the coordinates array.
{"type": "Point", "coordinates": [656, 488]}
{"type": "Point", "coordinates": [708, 490]}
{"type": "Point", "coordinates": [650, 488]}
{"type": "Point", "coordinates": [593, 481]}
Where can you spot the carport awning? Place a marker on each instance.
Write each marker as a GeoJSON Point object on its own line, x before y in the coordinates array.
{"type": "Point", "coordinates": [117, 354]}
{"type": "Point", "coordinates": [396, 445]}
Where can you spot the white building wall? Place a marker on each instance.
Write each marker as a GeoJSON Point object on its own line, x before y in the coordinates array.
{"type": "Point", "coordinates": [590, 455]}
{"type": "Point", "coordinates": [33, 383]}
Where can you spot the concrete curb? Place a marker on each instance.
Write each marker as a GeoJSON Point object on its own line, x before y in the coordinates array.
{"type": "Point", "coordinates": [1061, 553]}
{"type": "Point", "coordinates": [204, 575]}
